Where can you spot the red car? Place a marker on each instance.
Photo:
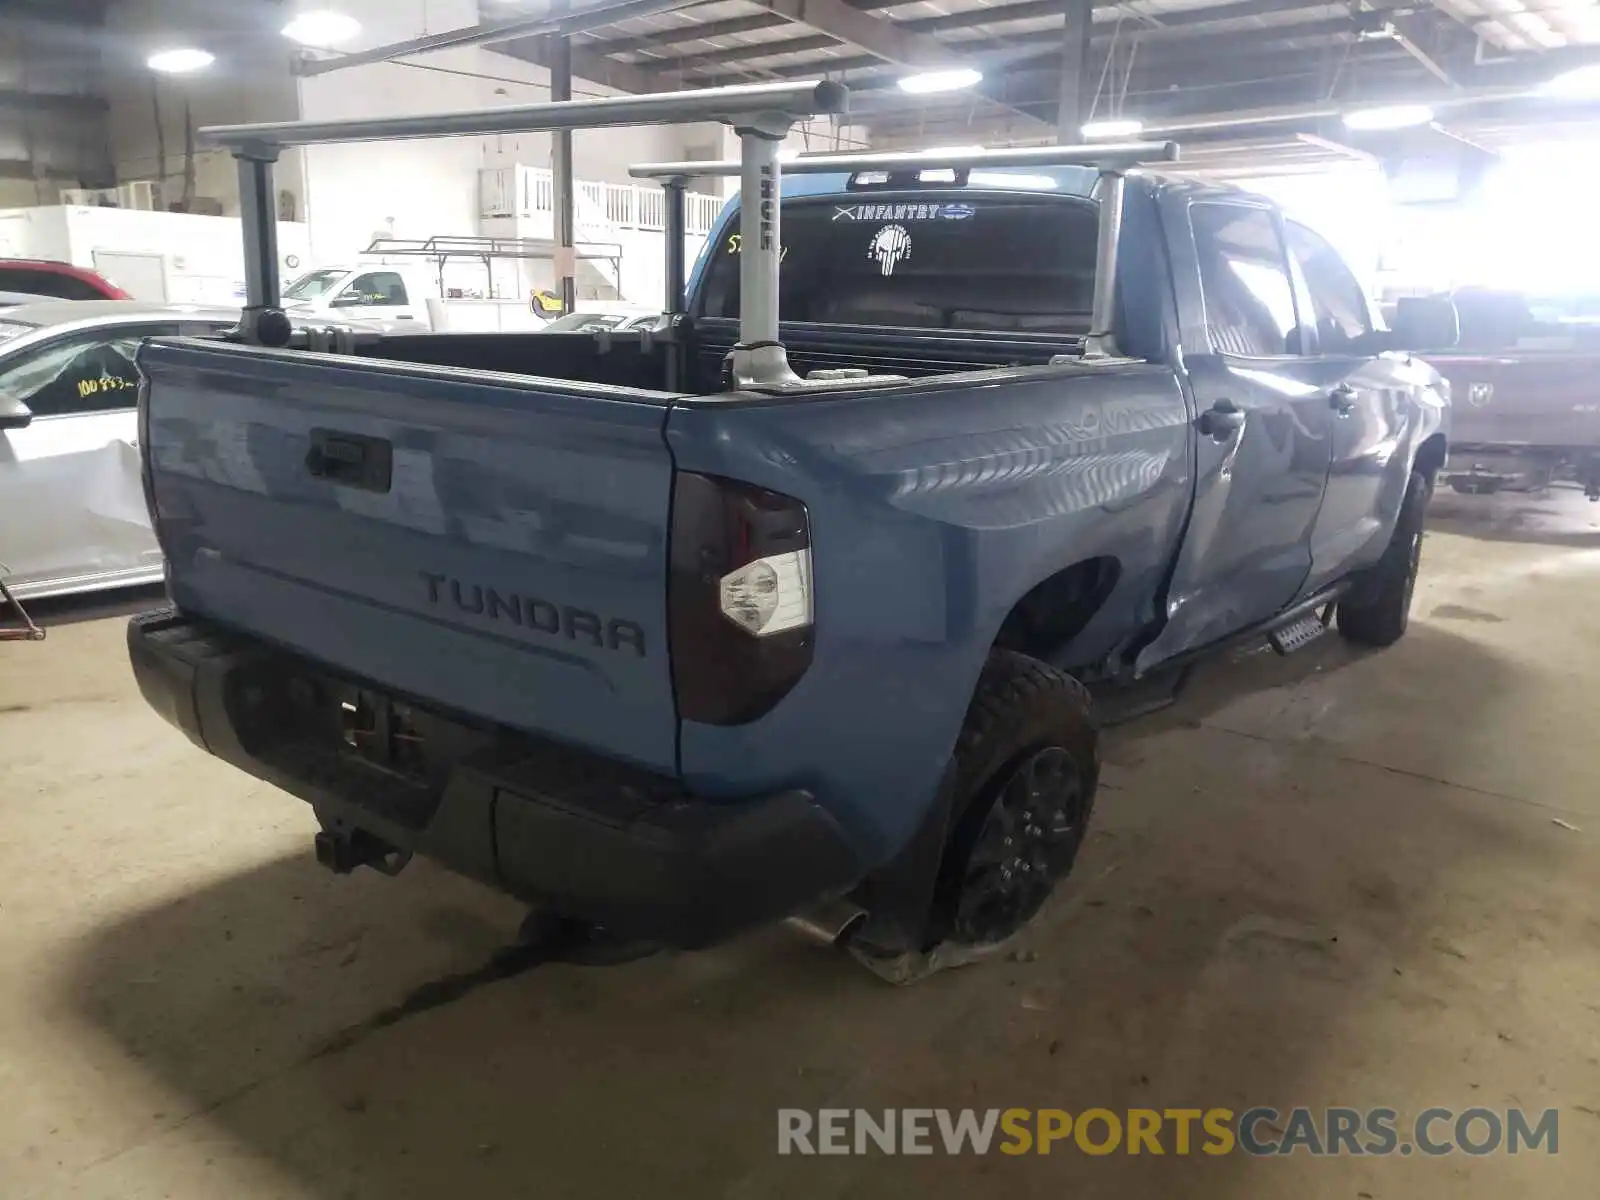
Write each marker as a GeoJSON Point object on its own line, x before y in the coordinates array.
{"type": "Point", "coordinates": [62, 281]}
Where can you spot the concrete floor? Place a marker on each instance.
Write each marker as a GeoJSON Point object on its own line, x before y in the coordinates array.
{"type": "Point", "coordinates": [1331, 879]}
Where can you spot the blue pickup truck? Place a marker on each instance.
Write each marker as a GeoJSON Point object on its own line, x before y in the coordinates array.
{"type": "Point", "coordinates": [786, 606]}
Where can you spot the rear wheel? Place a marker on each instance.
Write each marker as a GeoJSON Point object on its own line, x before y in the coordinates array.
{"type": "Point", "coordinates": [1027, 766]}
{"type": "Point", "coordinates": [1377, 612]}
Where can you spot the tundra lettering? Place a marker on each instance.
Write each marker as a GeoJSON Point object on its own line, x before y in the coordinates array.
{"type": "Point", "coordinates": [531, 613]}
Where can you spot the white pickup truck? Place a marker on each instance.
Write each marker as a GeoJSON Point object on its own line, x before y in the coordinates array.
{"type": "Point", "coordinates": [364, 291]}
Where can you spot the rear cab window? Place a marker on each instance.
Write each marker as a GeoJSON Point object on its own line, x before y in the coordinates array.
{"type": "Point", "coordinates": [953, 261]}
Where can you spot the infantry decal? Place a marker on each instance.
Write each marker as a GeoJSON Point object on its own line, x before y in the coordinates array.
{"type": "Point", "coordinates": [891, 212]}
{"type": "Point", "coordinates": [890, 245]}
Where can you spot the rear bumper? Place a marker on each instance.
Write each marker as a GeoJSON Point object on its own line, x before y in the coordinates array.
{"type": "Point", "coordinates": [590, 837]}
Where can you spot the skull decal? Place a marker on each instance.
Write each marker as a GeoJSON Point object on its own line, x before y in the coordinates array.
{"type": "Point", "coordinates": [890, 245]}
{"type": "Point", "coordinates": [1480, 394]}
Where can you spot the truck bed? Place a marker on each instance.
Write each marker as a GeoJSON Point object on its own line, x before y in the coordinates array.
{"type": "Point", "coordinates": [627, 359]}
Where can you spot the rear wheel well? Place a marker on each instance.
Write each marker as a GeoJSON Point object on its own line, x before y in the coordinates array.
{"type": "Point", "coordinates": [1057, 609]}
{"type": "Point", "coordinates": [1430, 456]}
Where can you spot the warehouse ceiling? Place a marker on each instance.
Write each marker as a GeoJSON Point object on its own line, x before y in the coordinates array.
{"type": "Point", "coordinates": [1163, 61]}
{"type": "Point", "coordinates": [52, 108]}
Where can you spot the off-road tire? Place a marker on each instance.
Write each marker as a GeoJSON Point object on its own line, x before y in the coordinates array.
{"type": "Point", "coordinates": [1377, 612]}
{"type": "Point", "coordinates": [1028, 724]}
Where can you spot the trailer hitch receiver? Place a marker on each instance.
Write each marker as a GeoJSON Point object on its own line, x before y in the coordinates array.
{"type": "Point", "coordinates": [342, 851]}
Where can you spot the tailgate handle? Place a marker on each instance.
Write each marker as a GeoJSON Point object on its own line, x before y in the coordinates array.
{"type": "Point", "coordinates": [351, 459]}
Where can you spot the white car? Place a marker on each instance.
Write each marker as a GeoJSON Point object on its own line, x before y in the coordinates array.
{"type": "Point", "coordinates": [72, 508]}
{"type": "Point", "coordinates": [593, 322]}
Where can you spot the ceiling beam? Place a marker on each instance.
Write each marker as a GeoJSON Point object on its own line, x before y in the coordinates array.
{"type": "Point", "coordinates": [1197, 47]}
{"type": "Point", "coordinates": [489, 33]}
{"type": "Point", "coordinates": [1335, 146]}
{"type": "Point", "coordinates": [882, 39]}
{"type": "Point", "coordinates": [1172, 24]}
{"type": "Point", "coordinates": [65, 12]}
{"type": "Point", "coordinates": [1261, 81]}
{"type": "Point", "coordinates": [754, 51]}
{"type": "Point", "coordinates": [74, 102]}
{"type": "Point", "coordinates": [1148, 40]}
{"type": "Point", "coordinates": [1076, 90]}
{"type": "Point", "coordinates": [683, 35]}
{"type": "Point", "coordinates": [1488, 115]}
{"type": "Point", "coordinates": [594, 67]}
{"type": "Point", "coordinates": [1407, 33]}
{"type": "Point", "coordinates": [879, 37]}
{"type": "Point", "coordinates": [1230, 47]}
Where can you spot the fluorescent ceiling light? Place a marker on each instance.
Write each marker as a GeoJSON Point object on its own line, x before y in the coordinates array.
{"type": "Point", "coordinates": [180, 61]}
{"type": "Point", "coordinates": [952, 80]}
{"type": "Point", "coordinates": [1120, 127]}
{"type": "Point", "coordinates": [1582, 83]}
{"type": "Point", "coordinates": [1394, 116]}
{"type": "Point", "coordinates": [945, 151]}
{"type": "Point", "coordinates": [321, 28]}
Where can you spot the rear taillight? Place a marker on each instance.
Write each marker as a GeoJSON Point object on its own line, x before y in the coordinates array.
{"type": "Point", "coordinates": [739, 599]}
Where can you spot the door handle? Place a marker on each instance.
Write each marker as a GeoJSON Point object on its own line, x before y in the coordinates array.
{"type": "Point", "coordinates": [1222, 420]}
{"type": "Point", "coordinates": [1343, 399]}
{"type": "Point", "coordinates": [350, 459]}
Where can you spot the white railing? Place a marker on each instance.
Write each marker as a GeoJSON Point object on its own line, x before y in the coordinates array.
{"type": "Point", "coordinates": [701, 212]}
{"type": "Point", "coordinates": [541, 192]}
{"type": "Point", "coordinates": [652, 209]}
{"type": "Point", "coordinates": [525, 191]}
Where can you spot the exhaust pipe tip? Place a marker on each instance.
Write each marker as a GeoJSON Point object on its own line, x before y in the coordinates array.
{"type": "Point", "coordinates": [830, 923]}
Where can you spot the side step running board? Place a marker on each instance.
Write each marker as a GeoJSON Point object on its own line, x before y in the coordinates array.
{"type": "Point", "coordinates": [1286, 632]}
{"type": "Point", "coordinates": [1300, 632]}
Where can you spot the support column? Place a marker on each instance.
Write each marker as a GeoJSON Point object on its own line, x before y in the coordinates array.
{"type": "Point", "coordinates": [566, 265]}
{"type": "Point", "coordinates": [262, 322]}
{"type": "Point", "coordinates": [258, 213]}
{"type": "Point", "coordinates": [1101, 341]}
{"type": "Point", "coordinates": [759, 359]}
{"type": "Point", "coordinates": [1077, 98]}
{"type": "Point", "coordinates": [675, 227]}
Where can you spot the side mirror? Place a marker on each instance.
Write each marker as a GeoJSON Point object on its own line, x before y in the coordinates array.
{"type": "Point", "coordinates": [346, 302]}
{"type": "Point", "coordinates": [1425, 323]}
{"type": "Point", "coordinates": [14, 414]}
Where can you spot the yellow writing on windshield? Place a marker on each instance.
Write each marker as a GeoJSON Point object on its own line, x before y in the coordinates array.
{"type": "Point", "coordinates": [735, 240]}
{"type": "Point", "coordinates": [106, 383]}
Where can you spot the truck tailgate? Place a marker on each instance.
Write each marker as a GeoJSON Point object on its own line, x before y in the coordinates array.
{"type": "Point", "coordinates": [1523, 397]}
{"type": "Point", "coordinates": [485, 543]}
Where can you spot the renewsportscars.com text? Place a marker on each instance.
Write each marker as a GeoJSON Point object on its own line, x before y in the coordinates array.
{"type": "Point", "coordinates": [1261, 1132]}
